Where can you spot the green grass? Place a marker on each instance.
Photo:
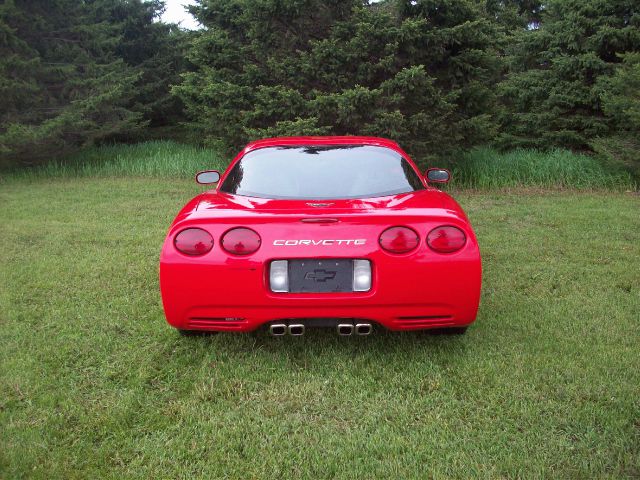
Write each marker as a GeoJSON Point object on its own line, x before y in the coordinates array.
{"type": "Point", "coordinates": [485, 168]}
{"type": "Point", "coordinates": [482, 168]}
{"type": "Point", "coordinates": [148, 159]}
{"type": "Point", "coordinates": [94, 384]}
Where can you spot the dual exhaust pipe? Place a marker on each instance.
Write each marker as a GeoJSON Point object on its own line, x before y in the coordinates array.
{"type": "Point", "coordinates": [347, 329]}
{"type": "Point", "coordinates": [297, 329]}
{"type": "Point", "coordinates": [280, 329]}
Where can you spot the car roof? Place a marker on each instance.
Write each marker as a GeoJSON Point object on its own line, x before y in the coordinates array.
{"type": "Point", "coordinates": [327, 140]}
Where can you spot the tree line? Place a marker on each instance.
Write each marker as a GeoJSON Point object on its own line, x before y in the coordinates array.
{"type": "Point", "coordinates": [439, 76]}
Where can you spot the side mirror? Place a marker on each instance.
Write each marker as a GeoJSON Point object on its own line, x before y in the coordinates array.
{"type": "Point", "coordinates": [438, 175]}
{"type": "Point", "coordinates": [207, 177]}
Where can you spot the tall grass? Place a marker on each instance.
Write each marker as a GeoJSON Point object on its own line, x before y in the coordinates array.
{"type": "Point", "coordinates": [148, 159]}
{"type": "Point", "coordinates": [485, 168]}
{"type": "Point", "coordinates": [482, 168]}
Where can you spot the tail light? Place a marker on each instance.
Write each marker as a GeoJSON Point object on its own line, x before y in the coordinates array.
{"type": "Point", "coordinates": [399, 239]}
{"type": "Point", "coordinates": [446, 239]}
{"type": "Point", "coordinates": [241, 241]}
{"type": "Point", "coordinates": [193, 241]}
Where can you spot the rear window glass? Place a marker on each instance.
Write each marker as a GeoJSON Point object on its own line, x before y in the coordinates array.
{"type": "Point", "coordinates": [321, 173]}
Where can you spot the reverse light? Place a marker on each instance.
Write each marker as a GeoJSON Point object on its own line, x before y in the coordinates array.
{"type": "Point", "coordinates": [193, 241]}
{"type": "Point", "coordinates": [399, 239]}
{"type": "Point", "coordinates": [240, 241]}
{"type": "Point", "coordinates": [279, 276]}
{"type": "Point", "coordinates": [446, 239]}
{"type": "Point", "coordinates": [361, 275]}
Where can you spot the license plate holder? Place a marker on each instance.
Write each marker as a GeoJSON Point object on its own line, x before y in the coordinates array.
{"type": "Point", "coordinates": [327, 275]}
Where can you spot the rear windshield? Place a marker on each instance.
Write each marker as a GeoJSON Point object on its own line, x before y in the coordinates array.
{"type": "Point", "coordinates": [321, 173]}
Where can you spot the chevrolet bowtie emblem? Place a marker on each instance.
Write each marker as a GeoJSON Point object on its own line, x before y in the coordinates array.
{"type": "Point", "coordinates": [320, 275]}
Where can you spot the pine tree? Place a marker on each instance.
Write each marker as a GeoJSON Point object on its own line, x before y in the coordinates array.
{"type": "Point", "coordinates": [63, 86]}
{"type": "Point", "coordinates": [153, 48]}
{"type": "Point", "coordinates": [553, 95]}
{"type": "Point", "coordinates": [516, 14]}
{"type": "Point", "coordinates": [406, 70]}
{"type": "Point", "coordinates": [620, 96]}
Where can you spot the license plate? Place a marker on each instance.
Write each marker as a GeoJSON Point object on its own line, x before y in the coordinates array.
{"type": "Point", "coordinates": [320, 276]}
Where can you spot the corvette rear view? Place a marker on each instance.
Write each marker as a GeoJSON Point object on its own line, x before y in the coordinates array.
{"type": "Point", "coordinates": [305, 232]}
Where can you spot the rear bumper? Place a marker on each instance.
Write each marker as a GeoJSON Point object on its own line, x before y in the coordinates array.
{"type": "Point", "coordinates": [408, 293]}
{"type": "Point", "coordinates": [392, 318]}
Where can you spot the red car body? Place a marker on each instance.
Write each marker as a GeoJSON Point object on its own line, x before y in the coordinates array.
{"type": "Point", "coordinates": [222, 291]}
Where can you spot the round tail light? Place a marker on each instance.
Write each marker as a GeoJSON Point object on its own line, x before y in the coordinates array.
{"type": "Point", "coordinates": [399, 239]}
{"type": "Point", "coordinates": [446, 239]}
{"type": "Point", "coordinates": [193, 241]}
{"type": "Point", "coordinates": [241, 241]}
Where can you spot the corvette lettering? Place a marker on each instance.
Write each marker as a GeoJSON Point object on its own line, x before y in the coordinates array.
{"type": "Point", "coordinates": [292, 243]}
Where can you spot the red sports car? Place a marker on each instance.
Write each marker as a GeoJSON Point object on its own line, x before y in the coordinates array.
{"type": "Point", "coordinates": [339, 232]}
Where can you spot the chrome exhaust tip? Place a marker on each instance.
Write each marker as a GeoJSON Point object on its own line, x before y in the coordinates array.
{"type": "Point", "coordinates": [363, 329]}
{"type": "Point", "coordinates": [345, 329]}
{"type": "Point", "coordinates": [296, 329]}
{"type": "Point", "coordinates": [278, 329]}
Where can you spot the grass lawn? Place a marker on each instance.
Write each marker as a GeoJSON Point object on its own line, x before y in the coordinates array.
{"type": "Point", "coordinates": [94, 384]}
